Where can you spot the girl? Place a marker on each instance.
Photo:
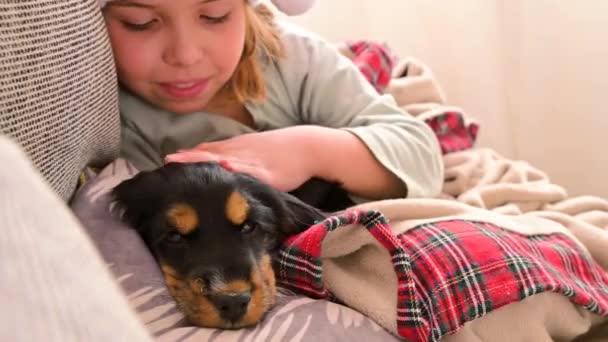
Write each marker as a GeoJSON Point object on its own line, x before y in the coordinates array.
{"type": "Point", "coordinates": [224, 80]}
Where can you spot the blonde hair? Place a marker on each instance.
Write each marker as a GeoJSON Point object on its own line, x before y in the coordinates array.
{"type": "Point", "coordinates": [262, 44]}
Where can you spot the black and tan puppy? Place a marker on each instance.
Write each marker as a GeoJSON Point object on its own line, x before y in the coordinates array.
{"type": "Point", "coordinates": [212, 233]}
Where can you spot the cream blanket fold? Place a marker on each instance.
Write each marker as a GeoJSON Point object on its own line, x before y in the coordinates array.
{"type": "Point", "coordinates": [483, 178]}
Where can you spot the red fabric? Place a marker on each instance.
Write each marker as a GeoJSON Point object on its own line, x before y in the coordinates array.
{"type": "Point", "coordinates": [451, 272]}
{"type": "Point", "coordinates": [374, 61]}
{"type": "Point", "coordinates": [452, 132]}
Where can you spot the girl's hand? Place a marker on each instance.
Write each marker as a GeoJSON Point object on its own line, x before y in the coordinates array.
{"type": "Point", "coordinates": [282, 158]}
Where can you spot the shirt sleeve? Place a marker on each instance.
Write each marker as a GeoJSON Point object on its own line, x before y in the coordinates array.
{"type": "Point", "coordinates": [327, 89]}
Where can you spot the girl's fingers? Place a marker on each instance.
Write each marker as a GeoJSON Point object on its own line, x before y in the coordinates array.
{"type": "Point", "coordinates": [226, 165]}
{"type": "Point", "coordinates": [202, 147]}
{"type": "Point", "coordinates": [191, 157]}
{"type": "Point", "coordinates": [232, 165]}
{"type": "Point", "coordinates": [201, 156]}
{"type": "Point", "coordinates": [254, 171]}
{"type": "Point", "coordinates": [206, 146]}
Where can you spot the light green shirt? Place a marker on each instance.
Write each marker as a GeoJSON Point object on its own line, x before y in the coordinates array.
{"type": "Point", "coordinates": [313, 85]}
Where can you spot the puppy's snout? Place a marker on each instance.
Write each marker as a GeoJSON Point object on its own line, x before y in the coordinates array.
{"type": "Point", "coordinates": [208, 279]}
{"type": "Point", "coordinates": [232, 307]}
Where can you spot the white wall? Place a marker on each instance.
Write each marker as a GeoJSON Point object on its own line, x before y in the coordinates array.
{"type": "Point", "coordinates": [529, 71]}
{"type": "Point", "coordinates": [558, 86]}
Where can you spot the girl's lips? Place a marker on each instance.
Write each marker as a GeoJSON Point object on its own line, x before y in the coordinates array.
{"type": "Point", "coordinates": [184, 89]}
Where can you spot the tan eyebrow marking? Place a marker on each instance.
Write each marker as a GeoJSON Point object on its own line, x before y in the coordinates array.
{"type": "Point", "coordinates": [183, 217]}
{"type": "Point", "coordinates": [237, 208]}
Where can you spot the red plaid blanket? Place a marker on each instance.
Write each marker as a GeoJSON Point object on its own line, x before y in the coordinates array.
{"type": "Point", "coordinates": [452, 132]}
{"type": "Point", "coordinates": [374, 61]}
{"type": "Point", "coordinates": [451, 272]}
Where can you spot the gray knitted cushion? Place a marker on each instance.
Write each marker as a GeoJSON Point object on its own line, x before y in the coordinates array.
{"type": "Point", "coordinates": [58, 96]}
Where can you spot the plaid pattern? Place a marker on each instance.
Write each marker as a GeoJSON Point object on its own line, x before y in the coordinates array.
{"type": "Point", "coordinates": [452, 131]}
{"type": "Point", "coordinates": [298, 263]}
{"type": "Point", "coordinates": [452, 272]}
{"type": "Point", "coordinates": [374, 61]}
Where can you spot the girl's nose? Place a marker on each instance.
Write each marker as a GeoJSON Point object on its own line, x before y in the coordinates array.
{"type": "Point", "coordinates": [183, 48]}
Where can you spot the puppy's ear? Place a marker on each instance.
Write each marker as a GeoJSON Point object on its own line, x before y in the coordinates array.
{"type": "Point", "coordinates": [299, 216]}
{"type": "Point", "coordinates": [137, 198]}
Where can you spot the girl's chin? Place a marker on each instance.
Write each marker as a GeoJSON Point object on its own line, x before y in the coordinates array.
{"type": "Point", "coordinates": [181, 106]}
{"type": "Point", "coordinates": [184, 108]}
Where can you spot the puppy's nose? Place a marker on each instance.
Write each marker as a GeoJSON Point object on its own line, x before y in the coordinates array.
{"type": "Point", "coordinates": [232, 307]}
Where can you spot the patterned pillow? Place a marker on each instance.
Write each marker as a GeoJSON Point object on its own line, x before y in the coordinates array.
{"type": "Point", "coordinates": [58, 96]}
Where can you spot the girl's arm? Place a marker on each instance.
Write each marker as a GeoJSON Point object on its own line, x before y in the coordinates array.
{"type": "Point", "coordinates": [375, 143]}
{"type": "Point", "coordinates": [342, 157]}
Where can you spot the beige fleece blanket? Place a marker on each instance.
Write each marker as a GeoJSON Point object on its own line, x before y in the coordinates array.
{"type": "Point", "coordinates": [485, 179]}
{"type": "Point", "coordinates": [358, 269]}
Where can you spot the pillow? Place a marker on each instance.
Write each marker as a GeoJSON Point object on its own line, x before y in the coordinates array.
{"type": "Point", "coordinates": [295, 317]}
{"type": "Point", "coordinates": [58, 86]}
{"type": "Point", "coordinates": [49, 268]}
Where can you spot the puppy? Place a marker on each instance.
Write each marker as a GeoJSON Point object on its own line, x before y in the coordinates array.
{"type": "Point", "coordinates": [212, 233]}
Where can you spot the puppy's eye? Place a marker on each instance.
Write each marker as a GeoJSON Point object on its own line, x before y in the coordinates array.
{"type": "Point", "coordinates": [174, 237]}
{"type": "Point", "coordinates": [248, 227]}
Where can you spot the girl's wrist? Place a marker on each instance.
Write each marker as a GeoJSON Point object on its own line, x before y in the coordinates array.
{"type": "Point", "coordinates": [339, 156]}
{"type": "Point", "coordinates": [320, 152]}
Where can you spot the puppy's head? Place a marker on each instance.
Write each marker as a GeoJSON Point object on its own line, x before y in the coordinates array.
{"type": "Point", "coordinates": [212, 231]}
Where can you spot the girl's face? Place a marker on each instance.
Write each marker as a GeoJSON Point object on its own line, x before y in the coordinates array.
{"type": "Point", "coordinates": [176, 54]}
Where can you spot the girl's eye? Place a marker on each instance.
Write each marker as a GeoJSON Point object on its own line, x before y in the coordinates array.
{"type": "Point", "coordinates": [174, 237]}
{"type": "Point", "coordinates": [248, 227]}
{"type": "Point", "coordinates": [215, 20]}
{"type": "Point", "coordinates": [137, 26]}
